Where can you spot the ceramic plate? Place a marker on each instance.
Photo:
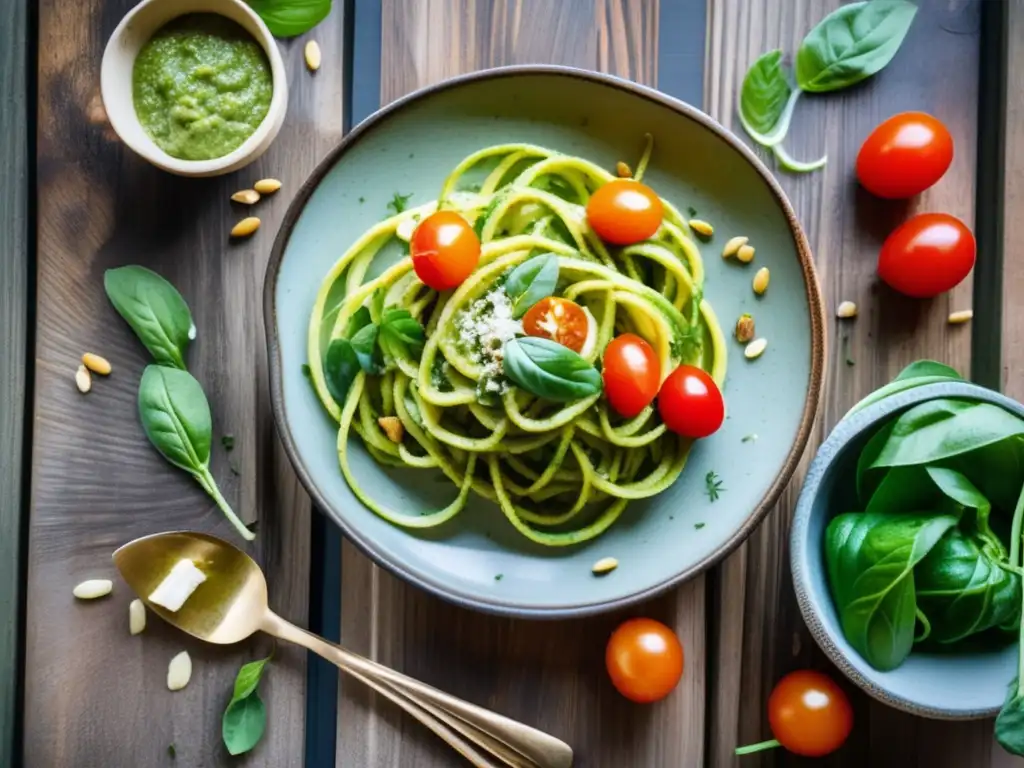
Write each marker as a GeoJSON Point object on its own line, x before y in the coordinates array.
{"type": "Point", "coordinates": [477, 559]}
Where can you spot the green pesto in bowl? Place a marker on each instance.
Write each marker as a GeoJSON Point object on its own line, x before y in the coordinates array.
{"type": "Point", "coordinates": [201, 86]}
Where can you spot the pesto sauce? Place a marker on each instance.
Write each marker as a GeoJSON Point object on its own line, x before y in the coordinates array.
{"type": "Point", "coordinates": [201, 86]}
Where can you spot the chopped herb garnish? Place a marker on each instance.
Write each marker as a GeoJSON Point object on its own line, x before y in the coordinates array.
{"type": "Point", "coordinates": [307, 371]}
{"type": "Point", "coordinates": [234, 470]}
{"type": "Point", "coordinates": [497, 576]}
{"type": "Point", "coordinates": [698, 526]}
{"type": "Point", "coordinates": [713, 485]}
{"type": "Point", "coordinates": [846, 349]}
{"type": "Point", "coordinates": [362, 200]}
{"type": "Point", "coordinates": [228, 441]}
{"type": "Point", "coordinates": [751, 438]}
{"type": "Point", "coordinates": [398, 202]}
{"type": "Point", "coordinates": [171, 751]}
{"type": "Point", "coordinates": [692, 211]}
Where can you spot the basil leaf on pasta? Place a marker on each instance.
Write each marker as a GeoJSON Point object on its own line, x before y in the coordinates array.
{"type": "Point", "coordinates": [549, 370]}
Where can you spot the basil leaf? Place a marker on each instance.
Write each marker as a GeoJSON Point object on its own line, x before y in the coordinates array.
{"type": "Point", "coordinates": [531, 281]}
{"type": "Point", "coordinates": [341, 367]}
{"type": "Point", "coordinates": [364, 343]}
{"type": "Point", "coordinates": [248, 678]}
{"type": "Point", "coordinates": [359, 320]}
{"type": "Point", "coordinates": [852, 43]}
{"type": "Point", "coordinates": [288, 18]}
{"type": "Point", "coordinates": [764, 96]}
{"type": "Point", "coordinates": [928, 368]}
{"type": "Point", "coordinates": [155, 311]}
{"type": "Point", "coordinates": [176, 416]}
{"type": "Point", "coordinates": [549, 370]}
{"type": "Point", "coordinates": [1010, 721]}
{"type": "Point", "coordinates": [401, 334]}
{"type": "Point", "coordinates": [243, 724]}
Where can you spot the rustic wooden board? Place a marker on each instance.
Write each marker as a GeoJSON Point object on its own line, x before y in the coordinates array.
{"type": "Point", "coordinates": [94, 696]}
{"type": "Point", "coordinates": [537, 672]}
{"type": "Point", "coordinates": [15, 261]}
{"type": "Point", "coordinates": [758, 632]}
{"type": "Point", "coordinates": [1013, 208]}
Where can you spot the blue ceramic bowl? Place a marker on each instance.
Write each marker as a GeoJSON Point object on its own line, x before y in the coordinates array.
{"type": "Point", "coordinates": [959, 686]}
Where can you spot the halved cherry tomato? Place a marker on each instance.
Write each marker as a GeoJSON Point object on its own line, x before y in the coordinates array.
{"type": "Point", "coordinates": [927, 254]}
{"type": "Point", "coordinates": [624, 211]}
{"type": "Point", "coordinates": [631, 374]}
{"type": "Point", "coordinates": [558, 319]}
{"type": "Point", "coordinates": [904, 155]}
{"type": "Point", "coordinates": [690, 403]}
{"type": "Point", "coordinates": [644, 660]}
{"type": "Point", "coordinates": [445, 250]}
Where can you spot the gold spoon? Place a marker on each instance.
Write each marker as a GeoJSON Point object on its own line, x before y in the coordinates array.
{"type": "Point", "coordinates": [232, 604]}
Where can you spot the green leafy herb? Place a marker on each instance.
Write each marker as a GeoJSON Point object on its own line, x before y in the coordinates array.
{"type": "Point", "coordinates": [364, 343]}
{"type": "Point", "coordinates": [228, 442]}
{"type": "Point", "coordinates": [362, 199]}
{"type": "Point", "coordinates": [713, 486]}
{"type": "Point", "coordinates": [401, 335]}
{"type": "Point", "coordinates": [550, 370]}
{"type": "Point", "coordinates": [914, 375]}
{"type": "Point", "coordinates": [752, 437]}
{"type": "Point", "coordinates": [359, 320]}
{"type": "Point", "coordinates": [765, 99]}
{"type": "Point", "coordinates": [340, 369]}
{"type": "Point", "coordinates": [698, 526]}
{"type": "Point", "coordinates": [398, 202]}
{"type": "Point", "coordinates": [531, 281]}
{"type": "Point", "coordinates": [852, 43]}
{"type": "Point", "coordinates": [155, 311]}
{"type": "Point", "coordinates": [171, 751]}
{"type": "Point", "coordinates": [288, 18]}
{"type": "Point", "coordinates": [245, 718]}
{"type": "Point", "coordinates": [691, 211]}
{"type": "Point", "coordinates": [498, 576]}
{"type": "Point", "coordinates": [307, 371]}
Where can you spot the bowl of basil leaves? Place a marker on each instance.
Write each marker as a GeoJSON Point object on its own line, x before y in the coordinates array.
{"type": "Point", "coordinates": [906, 548]}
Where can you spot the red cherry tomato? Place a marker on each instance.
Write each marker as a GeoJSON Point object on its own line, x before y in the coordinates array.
{"type": "Point", "coordinates": [690, 403]}
{"type": "Point", "coordinates": [631, 374]}
{"type": "Point", "coordinates": [644, 660]}
{"type": "Point", "coordinates": [624, 211]}
{"type": "Point", "coordinates": [558, 319]}
{"type": "Point", "coordinates": [926, 255]}
{"type": "Point", "coordinates": [445, 250]}
{"type": "Point", "coordinates": [809, 714]}
{"type": "Point", "coordinates": [904, 155]}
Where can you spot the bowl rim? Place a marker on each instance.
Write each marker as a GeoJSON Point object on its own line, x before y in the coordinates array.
{"type": "Point", "coordinates": [258, 140]}
{"type": "Point", "coordinates": [814, 299]}
{"type": "Point", "coordinates": [847, 430]}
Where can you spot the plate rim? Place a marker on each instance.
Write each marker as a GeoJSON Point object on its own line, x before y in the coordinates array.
{"type": "Point", "coordinates": [513, 608]}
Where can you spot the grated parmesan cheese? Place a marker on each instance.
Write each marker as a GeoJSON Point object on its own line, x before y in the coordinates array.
{"type": "Point", "coordinates": [483, 328]}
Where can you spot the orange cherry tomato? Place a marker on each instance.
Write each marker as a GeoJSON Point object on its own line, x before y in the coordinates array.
{"type": "Point", "coordinates": [690, 403]}
{"type": "Point", "coordinates": [624, 211]}
{"type": "Point", "coordinates": [809, 714]}
{"type": "Point", "coordinates": [631, 374]}
{"type": "Point", "coordinates": [926, 255]}
{"type": "Point", "coordinates": [445, 250]}
{"type": "Point", "coordinates": [558, 319]}
{"type": "Point", "coordinates": [644, 660]}
{"type": "Point", "coordinates": [904, 155]}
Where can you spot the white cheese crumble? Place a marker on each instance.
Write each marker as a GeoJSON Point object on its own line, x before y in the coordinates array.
{"type": "Point", "coordinates": [483, 328]}
{"type": "Point", "coordinates": [178, 586]}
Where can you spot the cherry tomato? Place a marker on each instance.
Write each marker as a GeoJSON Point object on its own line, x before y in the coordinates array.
{"type": "Point", "coordinates": [926, 255]}
{"type": "Point", "coordinates": [558, 319]}
{"type": "Point", "coordinates": [809, 714]}
{"type": "Point", "coordinates": [624, 211]}
{"type": "Point", "coordinates": [631, 374]}
{"type": "Point", "coordinates": [904, 155]}
{"type": "Point", "coordinates": [445, 250]}
{"type": "Point", "coordinates": [644, 660]}
{"type": "Point", "coordinates": [690, 403]}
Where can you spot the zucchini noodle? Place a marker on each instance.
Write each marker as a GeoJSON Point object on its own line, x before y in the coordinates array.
{"type": "Point", "coordinates": [561, 472]}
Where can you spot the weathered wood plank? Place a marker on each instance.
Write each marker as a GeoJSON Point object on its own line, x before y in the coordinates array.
{"type": "Point", "coordinates": [759, 634]}
{"type": "Point", "coordinates": [15, 262]}
{"type": "Point", "coordinates": [537, 672]}
{"type": "Point", "coordinates": [95, 481]}
{"type": "Point", "coordinates": [1013, 208]}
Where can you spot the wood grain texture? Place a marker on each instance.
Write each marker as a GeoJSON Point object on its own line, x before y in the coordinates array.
{"type": "Point", "coordinates": [549, 674]}
{"type": "Point", "coordinates": [94, 695]}
{"type": "Point", "coordinates": [1013, 208]}
{"type": "Point", "coordinates": [758, 634]}
{"type": "Point", "coordinates": [15, 261]}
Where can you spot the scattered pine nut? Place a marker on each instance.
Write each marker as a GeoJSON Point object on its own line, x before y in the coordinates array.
{"type": "Point", "coordinates": [623, 171]}
{"type": "Point", "coordinates": [733, 246]}
{"type": "Point", "coordinates": [96, 364]}
{"type": "Point", "coordinates": [392, 427]}
{"type": "Point", "coordinates": [846, 309]}
{"type": "Point", "coordinates": [247, 196]}
{"type": "Point", "coordinates": [267, 186]}
{"type": "Point", "coordinates": [961, 317]}
{"type": "Point", "coordinates": [83, 379]}
{"type": "Point", "coordinates": [93, 588]}
{"type": "Point", "coordinates": [745, 328]}
{"type": "Point", "coordinates": [755, 348]}
{"type": "Point", "coordinates": [136, 617]}
{"type": "Point", "coordinates": [179, 671]}
{"type": "Point", "coordinates": [245, 227]}
{"type": "Point", "coordinates": [745, 253]}
{"type": "Point", "coordinates": [605, 565]}
{"type": "Point", "coordinates": [702, 227]}
{"type": "Point", "coordinates": [312, 55]}
{"type": "Point", "coordinates": [760, 283]}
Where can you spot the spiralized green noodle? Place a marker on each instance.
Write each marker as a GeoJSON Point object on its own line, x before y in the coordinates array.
{"type": "Point", "coordinates": [562, 473]}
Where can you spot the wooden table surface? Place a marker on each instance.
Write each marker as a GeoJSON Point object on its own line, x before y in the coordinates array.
{"type": "Point", "coordinates": [78, 478]}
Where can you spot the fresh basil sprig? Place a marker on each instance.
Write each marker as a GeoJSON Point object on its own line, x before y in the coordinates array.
{"type": "Point", "coordinates": [549, 370]}
{"type": "Point", "coordinates": [155, 311]}
{"type": "Point", "coordinates": [531, 281]}
{"type": "Point", "coordinates": [245, 718]}
{"type": "Point", "coordinates": [400, 333]}
{"type": "Point", "coordinates": [288, 18]}
{"type": "Point", "coordinates": [764, 98]}
{"type": "Point", "coordinates": [175, 415]}
{"type": "Point", "coordinates": [340, 369]}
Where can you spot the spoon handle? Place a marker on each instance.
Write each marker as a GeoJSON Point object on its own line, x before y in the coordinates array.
{"type": "Point", "coordinates": [523, 745]}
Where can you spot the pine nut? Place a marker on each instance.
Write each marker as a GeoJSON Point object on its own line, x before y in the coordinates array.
{"type": "Point", "coordinates": [247, 196]}
{"type": "Point", "coordinates": [755, 348]}
{"type": "Point", "coordinates": [701, 227]}
{"type": "Point", "coordinates": [313, 55]}
{"type": "Point", "coordinates": [745, 253]}
{"type": "Point", "coordinates": [961, 317]}
{"type": "Point", "coordinates": [267, 186]}
{"type": "Point", "coordinates": [733, 246]}
{"type": "Point", "coordinates": [179, 671]}
{"type": "Point", "coordinates": [623, 171]}
{"type": "Point", "coordinates": [605, 565]}
{"type": "Point", "coordinates": [760, 283]}
{"type": "Point", "coordinates": [245, 227]}
{"type": "Point", "coordinates": [83, 380]}
{"type": "Point", "coordinates": [93, 588]}
{"type": "Point", "coordinates": [96, 364]}
{"type": "Point", "coordinates": [846, 309]}
{"type": "Point", "coordinates": [136, 617]}
{"type": "Point", "coordinates": [392, 427]}
{"type": "Point", "coordinates": [745, 328]}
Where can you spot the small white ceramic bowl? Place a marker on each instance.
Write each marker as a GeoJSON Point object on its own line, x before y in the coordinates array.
{"type": "Point", "coordinates": [135, 29]}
